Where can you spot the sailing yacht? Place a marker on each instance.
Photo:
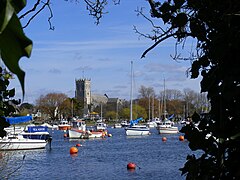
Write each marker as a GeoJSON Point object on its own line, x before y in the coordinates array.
{"type": "Point", "coordinates": [134, 129]}
{"type": "Point", "coordinates": [166, 126]}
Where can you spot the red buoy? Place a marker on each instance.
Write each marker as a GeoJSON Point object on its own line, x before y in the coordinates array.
{"type": "Point", "coordinates": [78, 145]}
{"type": "Point", "coordinates": [73, 150]}
{"type": "Point", "coordinates": [181, 138]}
{"type": "Point", "coordinates": [131, 165]}
{"type": "Point", "coordinates": [164, 139]}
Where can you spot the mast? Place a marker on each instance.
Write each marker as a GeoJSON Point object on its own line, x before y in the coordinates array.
{"type": "Point", "coordinates": [164, 100]}
{"type": "Point", "coordinates": [149, 107]}
{"type": "Point", "coordinates": [131, 92]}
{"type": "Point", "coordinates": [153, 107]}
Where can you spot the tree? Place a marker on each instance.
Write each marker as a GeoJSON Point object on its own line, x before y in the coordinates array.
{"type": "Point", "coordinates": [215, 27]}
{"type": "Point", "coordinates": [7, 103]}
{"type": "Point", "coordinates": [110, 115]}
{"type": "Point", "coordinates": [138, 111]}
{"type": "Point", "coordinates": [51, 104]}
{"type": "Point", "coordinates": [147, 99]}
{"type": "Point", "coordinates": [189, 96]}
{"type": "Point", "coordinates": [26, 108]}
{"type": "Point", "coordinates": [66, 108]}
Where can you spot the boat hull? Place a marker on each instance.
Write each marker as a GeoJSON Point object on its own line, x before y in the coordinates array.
{"type": "Point", "coordinates": [64, 128]}
{"type": "Point", "coordinates": [22, 144]}
{"type": "Point", "coordinates": [94, 135]}
{"type": "Point", "coordinates": [168, 130]}
{"type": "Point", "coordinates": [130, 131]}
{"type": "Point", "coordinates": [76, 134]}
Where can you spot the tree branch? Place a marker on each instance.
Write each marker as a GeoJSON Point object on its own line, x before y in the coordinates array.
{"type": "Point", "coordinates": [47, 3]}
{"type": "Point", "coordinates": [164, 37]}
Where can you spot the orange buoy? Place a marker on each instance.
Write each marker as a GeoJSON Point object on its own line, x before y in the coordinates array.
{"type": "Point", "coordinates": [164, 139]}
{"type": "Point", "coordinates": [78, 145]}
{"type": "Point", "coordinates": [131, 165]}
{"type": "Point", "coordinates": [73, 150]}
{"type": "Point", "coordinates": [181, 138]}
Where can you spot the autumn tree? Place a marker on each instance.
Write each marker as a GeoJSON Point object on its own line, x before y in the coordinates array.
{"type": "Point", "coordinates": [147, 99]}
{"type": "Point", "coordinates": [51, 104]}
{"type": "Point", "coordinates": [66, 108]}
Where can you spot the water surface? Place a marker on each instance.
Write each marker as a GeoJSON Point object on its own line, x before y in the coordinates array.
{"type": "Point", "coordinates": [100, 158]}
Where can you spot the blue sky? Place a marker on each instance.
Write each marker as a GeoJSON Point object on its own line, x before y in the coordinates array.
{"type": "Point", "coordinates": [78, 48]}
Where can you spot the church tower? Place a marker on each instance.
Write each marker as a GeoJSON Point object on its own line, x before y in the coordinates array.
{"type": "Point", "coordinates": [83, 93]}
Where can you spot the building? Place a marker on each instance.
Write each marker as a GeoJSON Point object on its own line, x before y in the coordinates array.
{"type": "Point", "coordinates": [83, 93]}
{"type": "Point", "coordinates": [91, 101]}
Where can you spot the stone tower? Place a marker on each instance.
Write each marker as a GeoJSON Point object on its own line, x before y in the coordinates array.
{"type": "Point", "coordinates": [83, 93]}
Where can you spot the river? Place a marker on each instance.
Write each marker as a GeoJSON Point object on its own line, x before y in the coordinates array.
{"type": "Point", "coordinates": [100, 158]}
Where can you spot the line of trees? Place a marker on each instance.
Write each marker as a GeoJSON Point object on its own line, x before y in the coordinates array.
{"type": "Point", "coordinates": [148, 105]}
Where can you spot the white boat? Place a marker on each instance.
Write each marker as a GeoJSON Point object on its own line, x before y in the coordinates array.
{"type": "Point", "coordinates": [134, 129]}
{"type": "Point", "coordinates": [21, 143]}
{"type": "Point", "coordinates": [151, 124]}
{"type": "Point", "coordinates": [78, 129]}
{"type": "Point", "coordinates": [117, 125]}
{"type": "Point", "coordinates": [94, 134]}
{"type": "Point", "coordinates": [64, 125]}
{"type": "Point", "coordinates": [167, 127]}
{"type": "Point", "coordinates": [137, 130]}
{"type": "Point", "coordinates": [75, 134]}
{"type": "Point", "coordinates": [101, 126]}
{"type": "Point", "coordinates": [35, 137]}
{"type": "Point", "coordinates": [125, 124]}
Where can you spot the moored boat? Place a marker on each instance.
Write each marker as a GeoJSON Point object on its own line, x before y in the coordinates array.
{"type": "Point", "coordinates": [100, 126]}
{"type": "Point", "coordinates": [137, 130]}
{"type": "Point", "coordinates": [94, 134]}
{"type": "Point", "coordinates": [78, 129]}
{"type": "Point", "coordinates": [152, 124]}
{"type": "Point", "coordinates": [125, 124]}
{"type": "Point", "coordinates": [117, 125]}
{"type": "Point", "coordinates": [134, 129]}
{"type": "Point", "coordinates": [64, 125]}
{"type": "Point", "coordinates": [167, 127]}
{"type": "Point", "coordinates": [35, 137]}
{"type": "Point", "coordinates": [21, 143]}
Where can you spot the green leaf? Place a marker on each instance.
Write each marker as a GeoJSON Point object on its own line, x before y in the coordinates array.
{"type": "Point", "coordinates": [14, 45]}
{"type": "Point", "coordinates": [6, 12]}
